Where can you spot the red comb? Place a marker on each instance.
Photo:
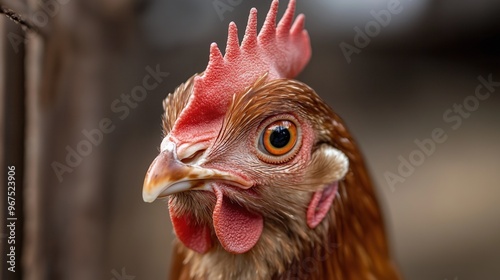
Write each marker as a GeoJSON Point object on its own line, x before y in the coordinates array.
{"type": "Point", "coordinates": [282, 51]}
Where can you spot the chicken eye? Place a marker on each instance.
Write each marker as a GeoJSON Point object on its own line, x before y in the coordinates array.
{"type": "Point", "coordinates": [279, 137]}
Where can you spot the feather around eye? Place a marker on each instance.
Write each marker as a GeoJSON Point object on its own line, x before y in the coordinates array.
{"type": "Point", "coordinates": [279, 139]}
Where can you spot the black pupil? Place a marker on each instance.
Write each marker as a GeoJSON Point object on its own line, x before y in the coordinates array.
{"type": "Point", "coordinates": [280, 137]}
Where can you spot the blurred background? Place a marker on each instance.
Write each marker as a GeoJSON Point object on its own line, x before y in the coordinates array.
{"type": "Point", "coordinates": [394, 84]}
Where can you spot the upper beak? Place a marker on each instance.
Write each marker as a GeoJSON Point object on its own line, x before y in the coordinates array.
{"type": "Point", "coordinates": [168, 175]}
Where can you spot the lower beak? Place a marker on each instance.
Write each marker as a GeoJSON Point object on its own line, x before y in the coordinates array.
{"type": "Point", "coordinates": [168, 175]}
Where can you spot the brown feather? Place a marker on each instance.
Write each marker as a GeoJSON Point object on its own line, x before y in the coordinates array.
{"type": "Point", "coordinates": [174, 103]}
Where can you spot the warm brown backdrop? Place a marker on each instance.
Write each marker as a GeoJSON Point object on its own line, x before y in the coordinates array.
{"type": "Point", "coordinates": [443, 220]}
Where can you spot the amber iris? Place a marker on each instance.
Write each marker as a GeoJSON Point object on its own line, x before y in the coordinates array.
{"type": "Point", "coordinates": [279, 137]}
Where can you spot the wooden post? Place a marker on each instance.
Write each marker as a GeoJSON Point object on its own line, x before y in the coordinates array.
{"type": "Point", "coordinates": [12, 90]}
{"type": "Point", "coordinates": [62, 72]}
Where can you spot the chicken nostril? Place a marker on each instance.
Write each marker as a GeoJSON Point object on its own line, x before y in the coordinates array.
{"type": "Point", "coordinates": [189, 153]}
{"type": "Point", "coordinates": [193, 157]}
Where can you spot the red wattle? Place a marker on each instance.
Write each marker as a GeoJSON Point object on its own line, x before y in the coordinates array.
{"type": "Point", "coordinates": [237, 229]}
{"type": "Point", "coordinates": [192, 234]}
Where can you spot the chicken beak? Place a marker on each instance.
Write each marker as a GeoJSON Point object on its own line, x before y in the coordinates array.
{"type": "Point", "coordinates": [168, 175]}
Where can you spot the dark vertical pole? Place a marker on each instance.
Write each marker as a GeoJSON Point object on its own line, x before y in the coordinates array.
{"type": "Point", "coordinates": [13, 130]}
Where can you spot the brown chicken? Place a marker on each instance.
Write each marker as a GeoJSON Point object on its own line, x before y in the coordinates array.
{"type": "Point", "coordinates": [263, 180]}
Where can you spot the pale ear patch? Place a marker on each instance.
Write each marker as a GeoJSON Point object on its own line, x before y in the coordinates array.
{"type": "Point", "coordinates": [328, 166]}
